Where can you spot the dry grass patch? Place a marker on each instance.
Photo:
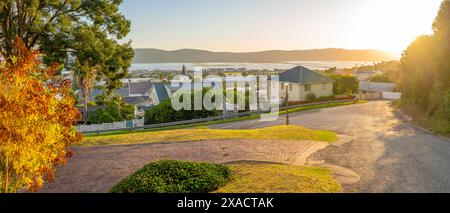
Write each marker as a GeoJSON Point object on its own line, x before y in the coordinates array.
{"type": "Point", "coordinates": [290, 132]}
{"type": "Point", "coordinates": [277, 178]}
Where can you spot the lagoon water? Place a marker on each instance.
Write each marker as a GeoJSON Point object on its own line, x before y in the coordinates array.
{"type": "Point", "coordinates": [315, 65]}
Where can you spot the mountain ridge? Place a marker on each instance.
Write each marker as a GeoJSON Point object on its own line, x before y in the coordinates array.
{"type": "Point", "coordinates": [153, 55]}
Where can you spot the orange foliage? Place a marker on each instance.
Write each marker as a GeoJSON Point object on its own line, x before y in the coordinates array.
{"type": "Point", "coordinates": [37, 115]}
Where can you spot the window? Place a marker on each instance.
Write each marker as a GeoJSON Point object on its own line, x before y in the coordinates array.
{"type": "Point", "coordinates": [324, 87]}
{"type": "Point", "coordinates": [291, 87]}
{"type": "Point", "coordinates": [307, 88]}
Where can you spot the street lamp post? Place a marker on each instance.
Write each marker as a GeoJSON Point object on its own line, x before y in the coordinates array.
{"type": "Point", "coordinates": [287, 105]}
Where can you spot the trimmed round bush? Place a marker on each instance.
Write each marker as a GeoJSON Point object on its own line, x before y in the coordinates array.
{"type": "Point", "coordinates": [311, 96]}
{"type": "Point", "coordinates": [170, 176]}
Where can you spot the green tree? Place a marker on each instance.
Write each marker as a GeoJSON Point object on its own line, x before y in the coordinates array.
{"type": "Point", "coordinates": [425, 73]}
{"type": "Point", "coordinates": [84, 76]}
{"type": "Point", "coordinates": [447, 105]}
{"type": "Point", "coordinates": [344, 84]}
{"type": "Point", "coordinates": [114, 110]}
{"type": "Point", "coordinates": [164, 112]}
{"type": "Point", "coordinates": [381, 78]}
{"type": "Point", "coordinates": [69, 32]}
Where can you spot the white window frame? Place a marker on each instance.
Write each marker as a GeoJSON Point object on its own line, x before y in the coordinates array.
{"type": "Point", "coordinates": [308, 87]}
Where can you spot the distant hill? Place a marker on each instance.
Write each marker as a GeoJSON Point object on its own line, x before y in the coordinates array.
{"type": "Point", "coordinates": [203, 56]}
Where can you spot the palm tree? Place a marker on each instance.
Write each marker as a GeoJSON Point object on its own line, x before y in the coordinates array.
{"type": "Point", "coordinates": [85, 75]}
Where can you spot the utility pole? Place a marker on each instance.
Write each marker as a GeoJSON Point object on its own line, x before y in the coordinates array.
{"type": "Point", "coordinates": [287, 104]}
{"type": "Point", "coordinates": [257, 90]}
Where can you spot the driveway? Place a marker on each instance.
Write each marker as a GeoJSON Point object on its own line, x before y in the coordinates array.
{"type": "Point", "coordinates": [389, 154]}
{"type": "Point", "coordinates": [97, 169]}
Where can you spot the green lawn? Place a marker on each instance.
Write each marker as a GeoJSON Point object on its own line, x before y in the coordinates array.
{"type": "Point", "coordinates": [290, 132]}
{"type": "Point", "coordinates": [277, 178]}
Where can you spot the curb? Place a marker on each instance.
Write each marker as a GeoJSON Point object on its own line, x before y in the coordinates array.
{"type": "Point", "coordinates": [427, 131]}
{"type": "Point", "coordinates": [343, 139]}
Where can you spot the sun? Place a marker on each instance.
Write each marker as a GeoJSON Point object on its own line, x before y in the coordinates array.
{"type": "Point", "coordinates": [393, 25]}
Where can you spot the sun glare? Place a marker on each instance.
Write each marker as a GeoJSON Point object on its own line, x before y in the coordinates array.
{"type": "Point", "coordinates": [393, 25]}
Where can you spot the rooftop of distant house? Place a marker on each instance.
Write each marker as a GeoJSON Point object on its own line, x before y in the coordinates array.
{"type": "Point", "coordinates": [303, 75]}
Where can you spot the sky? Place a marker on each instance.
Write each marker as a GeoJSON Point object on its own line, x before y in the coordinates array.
{"type": "Point", "coordinates": [257, 25]}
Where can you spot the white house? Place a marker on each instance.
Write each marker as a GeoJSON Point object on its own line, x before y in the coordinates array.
{"type": "Point", "coordinates": [300, 81]}
{"type": "Point", "coordinates": [375, 90]}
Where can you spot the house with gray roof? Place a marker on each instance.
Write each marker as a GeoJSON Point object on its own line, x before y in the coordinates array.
{"type": "Point", "coordinates": [367, 86]}
{"type": "Point", "coordinates": [159, 92]}
{"type": "Point", "coordinates": [300, 81]}
{"type": "Point", "coordinates": [134, 92]}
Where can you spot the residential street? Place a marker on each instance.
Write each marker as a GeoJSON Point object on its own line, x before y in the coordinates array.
{"type": "Point", "coordinates": [388, 153]}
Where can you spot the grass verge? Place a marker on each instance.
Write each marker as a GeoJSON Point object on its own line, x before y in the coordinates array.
{"type": "Point", "coordinates": [437, 123]}
{"type": "Point", "coordinates": [277, 178]}
{"type": "Point", "coordinates": [290, 132]}
{"type": "Point", "coordinates": [170, 176]}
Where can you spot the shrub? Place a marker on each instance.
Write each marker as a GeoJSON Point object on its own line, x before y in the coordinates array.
{"type": "Point", "coordinates": [113, 111]}
{"type": "Point", "coordinates": [326, 98]}
{"type": "Point", "coordinates": [311, 96]}
{"type": "Point", "coordinates": [447, 105]}
{"type": "Point", "coordinates": [170, 176]}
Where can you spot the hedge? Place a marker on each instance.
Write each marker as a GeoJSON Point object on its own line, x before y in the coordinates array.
{"type": "Point", "coordinates": [170, 176]}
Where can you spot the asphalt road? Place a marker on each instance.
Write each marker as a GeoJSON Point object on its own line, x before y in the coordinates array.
{"type": "Point", "coordinates": [389, 154]}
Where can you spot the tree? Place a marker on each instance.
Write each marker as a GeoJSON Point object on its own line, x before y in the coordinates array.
{"type": "Point", "coordinates": [425, 73]}
{"type": "Point", "coordinates": [114, 110]}
{"type": "Point", "coordinates": [164, 112]}
{"type": "Point", "coordinates": [344, 84]}
{"type": "Point", "coordinates": [85, 75]}
{"type": "Point", "coordinates": [66, 31]}
{"type": "Point", "coordinates": [37, 114]}
{"type": "Point", "coordinates": [381, 78]}
{"type": "Point", "coordinates": [447, 105]}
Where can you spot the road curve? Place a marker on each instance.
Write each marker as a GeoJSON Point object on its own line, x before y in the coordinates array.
{"type": "Point", "coordinates": [389, 154]}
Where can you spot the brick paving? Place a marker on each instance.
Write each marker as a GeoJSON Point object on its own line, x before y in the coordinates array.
{"type": "Point", "coordinates": [97, 169]}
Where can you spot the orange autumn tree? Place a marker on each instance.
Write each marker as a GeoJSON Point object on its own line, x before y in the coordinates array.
{"type": "Point", "coordinates": [37, 115]}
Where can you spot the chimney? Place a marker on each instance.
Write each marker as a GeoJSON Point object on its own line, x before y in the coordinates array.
{"type": "Point", "coordinates": [129, 87]}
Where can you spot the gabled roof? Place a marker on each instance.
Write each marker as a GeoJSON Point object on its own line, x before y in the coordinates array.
{"type": "Point", "coordinates": [376, 87]}
{"type": "Point", "coordinates": [161, 91]}
{"type": "Point", "coordinates": [136, 100]}
{"type": "Point", "coordinates": [303, 75]}
{"type": "Point", "coordinates": [140, 87]}
{"type": "Point", "coordinates": [137, 89]}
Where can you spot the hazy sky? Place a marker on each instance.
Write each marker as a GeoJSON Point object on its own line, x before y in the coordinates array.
{"type": "Point", "coordinates": [255, 25]}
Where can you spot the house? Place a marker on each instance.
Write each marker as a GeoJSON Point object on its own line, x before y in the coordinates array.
{"type": "Point", "coordinates": [365, 75]}
{"type": "Point", "coordinates": [300, 81]}
{"type": "Point", "coordinates": [367, 86]}
{"type": "Point", "coordinates": [133, 92]}
{"type": "Point", "coordinates": [375, 90]}
{"type": "Point", "coordinates": [129, 89]}
{"type": "Point", "coordinates": [159, 92]}
{"type": "Point", "coordinates": [141, 103]}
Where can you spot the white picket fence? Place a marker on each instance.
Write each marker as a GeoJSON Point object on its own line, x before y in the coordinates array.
{"type": "Point", "coordinates": [111, 126]}
{"type": "Point", "coordinates": [392, 95]}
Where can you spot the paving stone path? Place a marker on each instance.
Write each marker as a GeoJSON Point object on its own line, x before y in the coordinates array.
{"type": "Point", "coordinates": [97, 169]}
